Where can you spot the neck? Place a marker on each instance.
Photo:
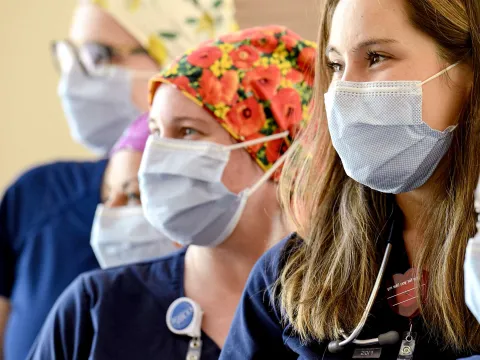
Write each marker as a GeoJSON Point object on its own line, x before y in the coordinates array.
{"type": "Point", "coordinates": [228, 265]}
{"type": "Point", "coordinates": [412, 205]}
{"type": "Point", "coordinates": [215, 277]}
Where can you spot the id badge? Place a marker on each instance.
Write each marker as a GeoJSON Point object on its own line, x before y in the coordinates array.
{"type": "Point", "coordinates": [367, 353]}
{"type": "Point", "coordinates": [408, 346]}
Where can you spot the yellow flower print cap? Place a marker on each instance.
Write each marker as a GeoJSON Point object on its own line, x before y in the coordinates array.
{"type": "Point", "coordinates": [255, 83]}
{"type": "Point", "coordinates": [167, 28]}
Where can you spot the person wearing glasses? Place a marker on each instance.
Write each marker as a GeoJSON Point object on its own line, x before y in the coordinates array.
{"type": "Point", "coordinates": [223, 117]}
{"type": "Point", "coordinates": [46, 215]}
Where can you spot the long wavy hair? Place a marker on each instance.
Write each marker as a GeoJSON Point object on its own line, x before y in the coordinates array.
{"type": "Point", "coordinates": [339, 220]}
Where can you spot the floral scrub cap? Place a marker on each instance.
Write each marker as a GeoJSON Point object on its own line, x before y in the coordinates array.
{"type": "Point", "coordinates": [166, 28]}
{"type": "Point", "coordinates": [134, 137]}
{"type": "Point", "coordinates": [256, 83]}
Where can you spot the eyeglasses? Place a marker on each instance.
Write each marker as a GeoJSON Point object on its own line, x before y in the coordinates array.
{"type": "Point", "coordinates": [91, 56]}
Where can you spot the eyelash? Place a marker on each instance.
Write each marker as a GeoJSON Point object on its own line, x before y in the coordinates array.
{"type": "Point", "coordinates": [334, 66]}
{"type": "Point", "coordinates": [185, 129]}
{"type": "Point", "coordinates": [371, 55]}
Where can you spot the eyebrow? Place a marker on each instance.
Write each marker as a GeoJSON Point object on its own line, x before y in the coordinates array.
{"type": "Point", "coordinates": [125, 184]}
{"type": "Point", "coordinates": [363, 44]}
{"type": "Point", "coordinates": [189, 118]}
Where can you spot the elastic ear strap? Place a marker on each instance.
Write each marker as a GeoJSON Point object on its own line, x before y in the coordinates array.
{"type": "Point", "coordinates": [268, 174]}
{"type": "Point", "coordinates": [440, 73]}
{"type": "Point", "coordinates": [257, 141]}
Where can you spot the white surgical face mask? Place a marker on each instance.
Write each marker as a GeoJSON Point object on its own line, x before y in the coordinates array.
{"type": "Point", "coordinates": [182, 191]}
{"type": "Point", "coordinates": [122, 236]}
{"type": "Point", "coordinates": [378, 132]}
{"type": "Point", "coordinates": [98, 108]}
{"type": "Point", "coordinates": [472, 276]}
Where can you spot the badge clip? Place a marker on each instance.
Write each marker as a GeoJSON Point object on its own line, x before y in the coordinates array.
{"type": "Point", "coordinates": [184, 317]}
{"type": "Point", "coordinates": [408, 345]}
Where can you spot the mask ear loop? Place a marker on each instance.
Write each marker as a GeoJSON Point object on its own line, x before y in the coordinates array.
{"type": "Point", "coordinates": [268, 174]}
{"type": "Point", "coordinates": [439, 74]}
{"type": "Point", "coordinates": [108, 71]}
{"type": "Point", "coordinates": [256, 141]}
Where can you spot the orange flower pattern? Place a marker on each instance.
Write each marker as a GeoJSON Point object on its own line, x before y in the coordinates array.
{"type": "Point", "coordinates": [256, 83]}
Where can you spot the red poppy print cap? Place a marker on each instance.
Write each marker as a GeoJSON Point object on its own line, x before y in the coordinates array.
{"type": "Point", "coordinates": [256, 83]}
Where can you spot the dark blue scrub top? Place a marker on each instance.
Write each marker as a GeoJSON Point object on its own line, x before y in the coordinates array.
{"type": "Point", "coordinates": [45, 222]}
{"type": "Point", "coordinates": [119, 314]}
{"type": "Point", "coordinates": [257, 333]}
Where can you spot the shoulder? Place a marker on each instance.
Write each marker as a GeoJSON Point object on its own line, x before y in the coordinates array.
{"type": "Point", "coordinates": [70, 174]}
{"type": "Point", "coordinates": [157, 278]}
{"type": "Point", "coordinates": [262, 286]}
{"type": "Point", "coordinates": [50, 187]}
{"type": "Point", "coordinates": [58, 178]}
{"type": "Point", "coordinates": [267, 269]}
{"type": "Point", "coordinates": [257, 328]}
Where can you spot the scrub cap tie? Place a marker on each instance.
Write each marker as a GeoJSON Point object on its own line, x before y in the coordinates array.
{"type": "Point", "coordinates": [166, 28]}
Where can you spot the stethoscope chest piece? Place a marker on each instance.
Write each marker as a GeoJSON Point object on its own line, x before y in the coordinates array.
{"type": "Point", "coordinates": [184, 317]}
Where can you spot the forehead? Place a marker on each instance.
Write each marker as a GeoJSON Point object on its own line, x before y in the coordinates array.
{"type": "Point", "coordinates": [91, 23]}
{"type": "Point", "coordinates": [170, 102]}
{"type": "Point", "coordinates": [358, 20]}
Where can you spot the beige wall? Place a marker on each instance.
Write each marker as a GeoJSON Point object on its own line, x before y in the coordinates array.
{"type": "Point", "coordinates": [32, 127]}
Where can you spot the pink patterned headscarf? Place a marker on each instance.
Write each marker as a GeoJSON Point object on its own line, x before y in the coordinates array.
{"type": "Point", "coordinates": [134, 137]}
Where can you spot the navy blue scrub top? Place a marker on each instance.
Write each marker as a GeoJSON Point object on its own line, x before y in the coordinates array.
{"type": "Point", "coordinates": [119, 313]}
{"type": "Point", "coordinates": [45, 222]}
{"type": "Point", "coordinates": [257, 333]}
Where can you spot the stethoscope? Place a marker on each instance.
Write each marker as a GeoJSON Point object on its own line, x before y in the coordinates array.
{"type": "Point", "coordinates": [388, 338]}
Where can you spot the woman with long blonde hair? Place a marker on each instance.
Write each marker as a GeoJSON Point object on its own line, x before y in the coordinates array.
{"type": "Point", "coordinates": [382, 194]}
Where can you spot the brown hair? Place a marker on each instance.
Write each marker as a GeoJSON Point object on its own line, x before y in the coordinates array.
{"type": "Point", "coordinates": [340, 220]}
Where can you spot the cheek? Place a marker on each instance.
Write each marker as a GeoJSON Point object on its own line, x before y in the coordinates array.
{"type": "Point", "coordinates": [241, 172]}
{"type": "Point", "coordinates": [442, 104]}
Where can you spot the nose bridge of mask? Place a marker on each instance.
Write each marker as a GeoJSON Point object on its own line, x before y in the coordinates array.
{"type": "Point", "coordinates": [156, 163]}
{"type": "Point", "coordinates": [379, 86]}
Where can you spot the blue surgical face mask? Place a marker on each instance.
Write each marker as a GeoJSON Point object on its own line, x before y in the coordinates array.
{"type": "Point", "coordinates": [183, 196]}
{"type": "Point", "coordinates": [122, 235]}
{"type": "Point", "coordinates": [98, 107]}
{"type": "Point", "coordinates": [378, 132]}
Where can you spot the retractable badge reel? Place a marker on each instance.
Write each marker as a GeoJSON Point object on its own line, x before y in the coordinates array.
{"type": "Point", "coordinates": [184, 317]}
{"type": "Point", "coordinates": [402, 296]}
